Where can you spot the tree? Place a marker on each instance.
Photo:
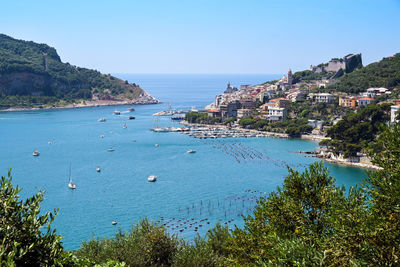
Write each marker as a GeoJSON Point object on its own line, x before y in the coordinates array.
{"type": "Point", "coordinates": [297, 210]}
{"type": "Point", "coordinates": [383, 187]}
{"type": "Point", "coordinates": [26, 237]}
{"type": "Point", "coordinates": [247, 122]}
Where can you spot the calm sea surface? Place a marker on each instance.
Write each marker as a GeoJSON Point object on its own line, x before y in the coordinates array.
{"type": "Point", "coordinates": [212, 183]}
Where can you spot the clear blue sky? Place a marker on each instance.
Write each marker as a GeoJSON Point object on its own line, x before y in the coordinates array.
{"type": "Point", "coordinates": [206, 36]}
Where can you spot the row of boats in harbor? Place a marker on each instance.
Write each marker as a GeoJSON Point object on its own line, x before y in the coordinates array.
{"type": "Point", "coordinates": [169, 129]}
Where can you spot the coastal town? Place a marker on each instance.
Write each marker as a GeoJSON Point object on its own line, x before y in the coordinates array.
{"type": "Point", "coordinates": [293, 107]}
{"type": "Point", "coordinates": [270, 100]}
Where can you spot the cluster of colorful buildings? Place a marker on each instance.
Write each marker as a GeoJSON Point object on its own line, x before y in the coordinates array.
{"type": "Point", "coordinates": [275, 97]}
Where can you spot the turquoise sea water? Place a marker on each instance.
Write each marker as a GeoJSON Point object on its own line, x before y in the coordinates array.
{"type": "Point", "coordinates": [209, 184]}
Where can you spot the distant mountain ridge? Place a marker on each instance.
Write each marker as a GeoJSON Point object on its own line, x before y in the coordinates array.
{"type": "Point", "coordinates": [33, 74]}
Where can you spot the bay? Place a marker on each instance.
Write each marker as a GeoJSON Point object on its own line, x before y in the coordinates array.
{"type": "Point", "coordinates": [210, 184]}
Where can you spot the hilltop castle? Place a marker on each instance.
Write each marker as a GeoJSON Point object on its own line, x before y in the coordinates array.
{"type": "Point", "coordinates": [347, 64]}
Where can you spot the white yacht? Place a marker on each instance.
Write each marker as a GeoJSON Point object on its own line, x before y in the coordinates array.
{"type": "Point", "coordinates": [102, 120]}
{"type": "Point", "coordinates": [36, 153]}
{"type": "Point", "coordinates": [71, 185]}
{"type": "Point", "coordinates": [191, 151]}
{"type": "Point", "coordinates": [152, 178]}
{"type": "Point", "coordinates": [98, 169]}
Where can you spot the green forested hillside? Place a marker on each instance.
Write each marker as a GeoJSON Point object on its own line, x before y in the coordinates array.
{"type": "Point", "coordinates": [32, 73]}
{"type": "Point", "coordinates": [385, 73]}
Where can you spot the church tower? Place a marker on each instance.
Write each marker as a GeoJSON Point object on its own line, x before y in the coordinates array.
{"type": "Point", "coordinates": [290, 77]}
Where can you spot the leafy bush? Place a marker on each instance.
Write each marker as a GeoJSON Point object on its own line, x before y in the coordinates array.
{"type": "Point", "coordinates": [26, 236]}
{"type": "Point", "coordinates": [146, 244]}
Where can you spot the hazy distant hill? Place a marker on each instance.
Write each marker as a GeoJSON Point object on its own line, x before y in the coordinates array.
{"type": "Point", "coordinates": [32, 74]}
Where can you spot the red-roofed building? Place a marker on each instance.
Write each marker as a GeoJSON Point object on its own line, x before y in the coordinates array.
{"type": "Point", "coordinates": [215, 113]}
{"type": "Point", "coordinates": [280, 102]}
{"type": "Point", "coordinates": [364, 101]}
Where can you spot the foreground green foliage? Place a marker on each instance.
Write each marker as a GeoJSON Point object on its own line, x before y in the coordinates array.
{"type": "Point", "coordinates": [25, 235]}
{"type": "Point", "coordinates": [45, 79]}
{"type": "Point", "coordinates": [148, 244]}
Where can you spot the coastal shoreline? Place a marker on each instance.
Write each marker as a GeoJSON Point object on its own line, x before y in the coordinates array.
{"type": "Point", "coordinates": [315, 138]}
{"type": "Point", "coordinates": [87, 104]}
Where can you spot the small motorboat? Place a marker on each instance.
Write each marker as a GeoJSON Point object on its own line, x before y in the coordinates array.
{"type": "Point", "coordinates": [152, 178]}
{"type": "Point", "coordinates": [114, 222]}
{"type": "Point", "coordinates": [110, 149]}
{"type": "Point", "coordinates": [102, 120]}
{"type": "Point", "coordinates": [191, 151]}
{"type": "Point", "coordinates": [117, 112]}
{"type": "Point", "coordinates": [36, 153]}
{"type": "Point", "coordinates": [50, 142]}
{"type": "Point", "coordinates": [156, 145]}
{"type": "Point", "coordinates": [125, 126]}
{"type": "Point", "coordinates": [101, 136]}
{"type": "Point", "coordinates": [98, 169]}
{"type": "Point", "coordinates": [131, 109]}
{"type": "Point", "coordinates": [131, 118]}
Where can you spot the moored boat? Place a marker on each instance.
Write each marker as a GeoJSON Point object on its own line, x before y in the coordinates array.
{"type": "Point", "coordinates": [36, 153]}
{"type": "Point", "coordinates": [152, 178]}
{"type": "Point", "coordinates": [71, 185]}
{"type": "Point", "coordinates": [102, 120]}
{"type": "Point", "coordinates": [191, 151]}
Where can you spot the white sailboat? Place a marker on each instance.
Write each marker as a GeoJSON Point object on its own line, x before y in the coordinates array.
{"type": "Point", "coordinates": [71, 185]}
